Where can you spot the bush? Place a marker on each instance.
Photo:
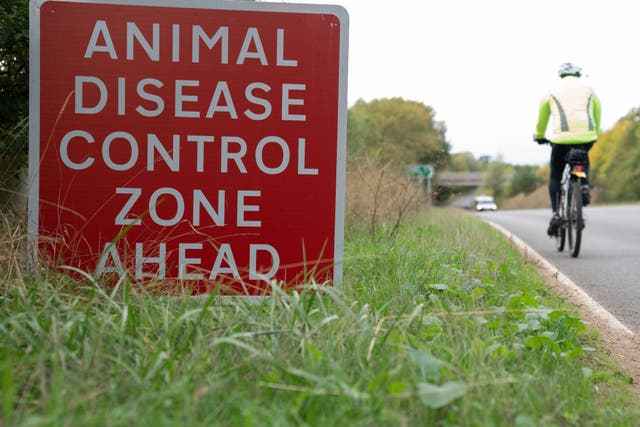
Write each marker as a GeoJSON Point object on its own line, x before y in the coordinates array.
{"type": "Point", "coordinates": [380, 197]}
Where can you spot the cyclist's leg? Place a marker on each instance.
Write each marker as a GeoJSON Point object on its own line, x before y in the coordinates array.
{"type": "Point", "coordinates": [558, 154]}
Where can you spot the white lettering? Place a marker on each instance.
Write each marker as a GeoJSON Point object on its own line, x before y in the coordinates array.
{"type": "Point", "coordinates": [280, 61]}
{"type": "Point", "coordinates": [154, 201]}
{"type": "Point", "coordinates": [161, 260]}
{"type": "Point", "coordinates": [242, 208]}
{"type": "Point", "coordinates": [120, 151]}
{"type": "Point", "coordinates": [79, 95]}
{"type": "Point", "coordinates": [109, 252]}
{"type": "Point", "coordinates": [264, 261]}
{"type": "Point", "coordinates": [142, 93]}
{"type": "Point", "coordinates": [121, 95]}
{"type": "Point", "coordinates": [154, 144]}
{"type": "Point", "coordinates": [224, 254]}
{"type": "Point", "coordinates": [285, 155]}
{"type": "Point", "coordinates": [175, 43]}
{"type": "Point", "coordinates": [286, 102]}
{"type": "Point", "coordinates": [133, 32]}
{"type": "Point", "coordinates": [222, 89]}
{"type": "Point", "coordinates": [183, 261]}
{"type": "Point", "coordinates": [221, 35]}
{"type": "Point", "coordinates": [106, 151]}
{"type": "Point", "coordinates": [253, 262]}
{"type": "Point", "coordinates": [180, 98]}
{"type": "Point", "coordinates": [252, 36]}
{"type": "Point", "coordinates": [302, 169]}
{"type": "Point", "coordinates": [200, 200]}
{"type": "Point", "coordinates": [100, 29]}
{"type": "Point", "coordinates": [252, 47]}
{"type": "Point", "coordinates": [237, 156]}
{"type": "Point", "coordinates": [64, 150]}
{"type": "Point", "coordinates": [248, 93]}
{"type": "Point", "coordinates": [121, 218]}
{"type": "Point", "coordinates": [199, 140]}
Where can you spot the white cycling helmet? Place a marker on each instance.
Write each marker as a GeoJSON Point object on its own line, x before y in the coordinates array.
{"type": "Point", "coordinates": [568, 69]}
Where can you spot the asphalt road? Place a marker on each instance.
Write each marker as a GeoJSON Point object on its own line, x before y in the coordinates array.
{"type": "Point", "coordinates": [608, 267]}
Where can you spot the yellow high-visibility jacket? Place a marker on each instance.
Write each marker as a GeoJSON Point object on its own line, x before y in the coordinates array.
{"type": "Point", "coordinates": [576, 113]}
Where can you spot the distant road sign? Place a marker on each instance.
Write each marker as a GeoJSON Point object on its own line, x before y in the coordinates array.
{"type": "Point", "coordinates": [199, 143]}
{"type": "Point", "coordinates": [420, 171]}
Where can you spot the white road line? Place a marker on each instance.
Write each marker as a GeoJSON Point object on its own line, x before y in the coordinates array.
{"type": "Point", "coordinates": [579, 296]}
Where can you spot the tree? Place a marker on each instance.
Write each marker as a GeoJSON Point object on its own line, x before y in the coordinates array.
{"type": "Point", "coordinates": [615, 158]}
{"type": "Point", "coordinates": [465, 162]}
{"type": "Point", "coordinates": [14, 61]}
{"type": "Point", "coordinates": [604, 152]}
{"type": "Point", "coordinates": [14, 80]}
{"type": "Point", "coordinates": [397, 131]}
{"type": "Point", "coordinates": [622, 174]}
{"type": "Point", "coordinates": [524, 180]}
{"type": "Point", "coordinates": [493, 181]}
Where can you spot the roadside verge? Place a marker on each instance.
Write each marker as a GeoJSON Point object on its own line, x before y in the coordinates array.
{"type": "Point", "coordinates": [620, 342]}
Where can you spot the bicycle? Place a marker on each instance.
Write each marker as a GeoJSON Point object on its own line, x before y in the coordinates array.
{"type": "Point", "coordinates": [570, 204]}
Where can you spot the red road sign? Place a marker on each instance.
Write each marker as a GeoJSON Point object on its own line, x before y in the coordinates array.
{"type": "Point", "coordinates": [199, 145]}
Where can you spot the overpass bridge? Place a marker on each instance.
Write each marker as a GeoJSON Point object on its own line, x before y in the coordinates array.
{"type": "Point", "coordinates": [459, 179]}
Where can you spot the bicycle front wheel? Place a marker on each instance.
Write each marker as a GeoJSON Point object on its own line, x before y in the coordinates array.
{"type": "Point", "coordinates": [562, 228]}
{"type": "Point", "coordinates": [560, 236]}
{"type": "Point", "coordinates": [575, 221]}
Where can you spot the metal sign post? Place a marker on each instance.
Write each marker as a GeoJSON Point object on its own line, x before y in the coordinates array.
{"type": "Point", "coordinates": [422, 172]}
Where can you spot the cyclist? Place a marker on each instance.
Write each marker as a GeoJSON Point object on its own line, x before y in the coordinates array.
{"type": "Point", "coordinates": [576, 123]}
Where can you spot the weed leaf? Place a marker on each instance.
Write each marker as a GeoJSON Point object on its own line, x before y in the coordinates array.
{"type": "Point", "coordinates": [435, 396]}
{"type": "Point", "coordinates": [428, 364]}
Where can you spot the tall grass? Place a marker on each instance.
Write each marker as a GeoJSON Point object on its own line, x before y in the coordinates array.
{"type": "Point", "coordinates": [380, 198]}
{"type": "Point", "coordinates": [13, 161]}
{"type": "Point", "coordinates": [442, 325]}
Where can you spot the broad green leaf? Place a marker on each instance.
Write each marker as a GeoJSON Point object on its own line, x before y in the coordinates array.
{"type": "Point", "coordinates": [437, 396]}
{"type": "Point", "coordinates": [533, 324]}
{"type": "Point", "coordinates": [538, 341]}
{"type": "Point", "coordinates": [572, 352]}
{"type": "Point", "coordinates": [428, 364]}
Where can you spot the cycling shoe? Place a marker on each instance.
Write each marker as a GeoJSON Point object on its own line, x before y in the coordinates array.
{"type": "Point", "coordinates": [554, 224]}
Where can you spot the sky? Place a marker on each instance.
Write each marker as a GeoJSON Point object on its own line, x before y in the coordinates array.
{"type": "Point", "coordinates": [484, 65]}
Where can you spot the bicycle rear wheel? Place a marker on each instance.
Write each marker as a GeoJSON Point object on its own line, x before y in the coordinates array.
{"type": "Point", "coordinates": [575, 222]}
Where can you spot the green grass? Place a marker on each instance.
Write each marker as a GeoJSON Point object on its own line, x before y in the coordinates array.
{"type": "Point", "coordinates": [443, 325]}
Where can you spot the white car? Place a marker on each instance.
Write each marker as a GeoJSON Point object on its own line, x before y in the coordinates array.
{"type": "Point", "coordinates": [485, 203]}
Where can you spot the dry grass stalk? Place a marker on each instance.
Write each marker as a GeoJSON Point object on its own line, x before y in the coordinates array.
{"type": "Point", "coordinates": [380, 195]}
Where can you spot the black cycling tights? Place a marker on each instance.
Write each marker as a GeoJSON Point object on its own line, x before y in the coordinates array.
{"type": "Point", "coordinates": [558, 155]}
